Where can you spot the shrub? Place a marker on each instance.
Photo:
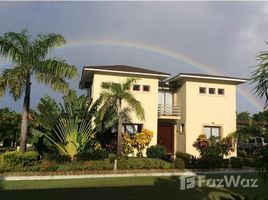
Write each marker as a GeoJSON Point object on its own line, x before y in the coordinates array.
{"type": "Point", "coordinates": [156, 151]}
{"type": "Point", "coordinates": [47, 165]}
{"type": "Point", "coordinates": [187, 158]}
{"type": "Point", "coordinates": [139, 142]}
{"type": "Point", "coordinates": [179, 163]}
{"type": "Point", "coordinates": [211, 162]}
{"type": "Point", "coordinates": [90, 165]}
{"type": "Point", "coordinates": [143, 163]}
{"type": "Point", "coordinates": [14, 158]}
{"type": "Point", "coordinates": [236, 162]}
{"type": "Point", "coordinates": [251, 162]}
{"type": "Point", "coordinates": [214, 148]}
{"type": "Point", "coordinates": [99, 154]}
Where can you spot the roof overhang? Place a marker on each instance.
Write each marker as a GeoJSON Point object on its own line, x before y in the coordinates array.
{"type": "Point", "coordinates": [87, 74]}
{"type": "Point", "coordinates": [207, 77]}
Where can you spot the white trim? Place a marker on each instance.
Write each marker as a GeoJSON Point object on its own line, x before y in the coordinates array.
{"type": "Point", "coordinates": [124, 72]}
{"type": "Point", "coordinates": [210, 77]}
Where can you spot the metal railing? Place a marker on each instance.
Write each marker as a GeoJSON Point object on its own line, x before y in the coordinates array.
{"type": "Point", "coordinates": [169, 110]}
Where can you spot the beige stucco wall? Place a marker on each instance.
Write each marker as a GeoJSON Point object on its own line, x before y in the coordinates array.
{"type": "Point", "coordinates": [149, 100]}
{"type": "Point", "coordinates": [199, 110]}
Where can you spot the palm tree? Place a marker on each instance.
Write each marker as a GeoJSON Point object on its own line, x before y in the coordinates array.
{"type": "Point", "coordinates": [260, 77]}
{"type": "Point", "coordinates": [29, 59]}
{"type": "Point", "coordinates": [115, 95]}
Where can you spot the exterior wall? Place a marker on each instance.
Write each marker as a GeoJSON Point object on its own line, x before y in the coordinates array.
{"type": "Point", "coordinates": [210, 110]}
{"type": "Point", "coordinates": [149, 100]}
{"type": "Point", "coordinates": [181, 101]}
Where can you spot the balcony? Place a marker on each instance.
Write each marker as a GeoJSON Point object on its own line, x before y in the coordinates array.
{"type": "Point", "coordinates": [169, 111]}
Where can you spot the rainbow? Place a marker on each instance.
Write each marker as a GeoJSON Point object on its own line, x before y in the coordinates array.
{"type": "Point", "coordinates": [178, 56]}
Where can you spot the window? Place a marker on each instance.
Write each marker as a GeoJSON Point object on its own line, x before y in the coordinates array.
{"type": "Point", "coordinates": [136, 87]}
{"type": "Point", "coordinates": [131, 128]}
{"type": "Point", "coordinates": [212, 132]}
{"type": "Point", "coordinates": [211, 90]}
{"type": "Point", "coordinates": [202, 90]}
{"type": "Point", "coordinates": [220, 91]}
{"type": "Point", "coordinates": [181, 128]}
{"type": "Point", "coordinates": [105, 85]}
{"type": "Point", "coordinates": [146, 88]}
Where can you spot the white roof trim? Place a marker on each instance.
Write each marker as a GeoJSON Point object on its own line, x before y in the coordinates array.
{"type": "Point", "coordinates": [124, 72]}
{"type": "Point", "coordinates": [210, 77]}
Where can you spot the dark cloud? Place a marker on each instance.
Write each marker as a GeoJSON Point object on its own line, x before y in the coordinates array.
{"type": "Point", "coordinates": [225, 35]}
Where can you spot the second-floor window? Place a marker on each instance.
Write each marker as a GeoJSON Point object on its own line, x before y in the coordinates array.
{"type": "Point", "coordinates": [220, 91]}
{"type": "Point", "coordinates": [146, 88]}
{"type": "Point", "coordinates": [105, 85]}
{"type": "Point", "coordinates": [202, 90]}
{"type": "Point", "coordinates": [165, 97]}
{"type": "Point", "coordinates": [211, 90]}
{"type": "Point", "coordinates": [136, 87]}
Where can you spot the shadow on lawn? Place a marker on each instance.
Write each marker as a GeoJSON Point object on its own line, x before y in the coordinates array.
{"type": "Point", "coordinates": [162, 189]}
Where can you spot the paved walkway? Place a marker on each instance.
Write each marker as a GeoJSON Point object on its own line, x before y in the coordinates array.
{"type": "Point", "coordinates": [138, 174]}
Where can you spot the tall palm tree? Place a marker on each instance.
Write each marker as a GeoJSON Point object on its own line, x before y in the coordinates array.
{"type": "Point", "coordinates": [115, 95]}
{"type": "Point", "coordinates": [260, 77]}
{"type": "Point", "coordinates": [30, 59]}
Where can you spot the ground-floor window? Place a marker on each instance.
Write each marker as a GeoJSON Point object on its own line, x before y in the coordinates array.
{"type": "Point", "coordinates": [132, 128]}
{"type": "Point", "coordinates": [212, 132]}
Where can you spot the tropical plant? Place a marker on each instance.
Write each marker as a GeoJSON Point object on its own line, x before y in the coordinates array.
{"type": "Point", "coordinates": [29, 59]}
{"type": "Point", "coordinates": [114, 96]}
{"type": "Point", "coordinates": [72, 137]}
{"type": "Point", "coordinates": [259, 77]}
{"type": "Point", "coordinates": [214, 148]}
{"type": "Point", "coordinates": [9, 126]}
{"type": "Point", "coordinates": [142, 140]}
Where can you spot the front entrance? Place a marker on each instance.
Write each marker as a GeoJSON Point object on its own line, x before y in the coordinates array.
{"type": "Point", "coordinates": [165, 137]}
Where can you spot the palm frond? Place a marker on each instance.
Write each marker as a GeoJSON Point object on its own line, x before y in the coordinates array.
{"type": "Point", "coordinates": [44, 43]}
{"type": "Point", "coordinates": [13, 79]}
{"type": "Point", "coordinates": [134, 104]}
{"type": "Point", "coordinates": [13, 45]}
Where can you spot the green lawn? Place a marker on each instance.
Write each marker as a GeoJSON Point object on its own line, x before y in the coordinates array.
{"type": "Point", "coordinates": [116, 188]}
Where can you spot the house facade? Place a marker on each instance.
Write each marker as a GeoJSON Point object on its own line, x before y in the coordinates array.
{"type": "Point", "coordinates": [177, 109]}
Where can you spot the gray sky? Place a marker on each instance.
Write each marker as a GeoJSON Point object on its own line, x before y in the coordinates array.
{"type": "Point", "coordinates": [174, 37]}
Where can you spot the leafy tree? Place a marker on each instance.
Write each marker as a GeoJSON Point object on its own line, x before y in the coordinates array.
{"type": "Point", "coordinates": [243, 116]}
{"type": "Point", "coordinates": [9, 126]}
{"type": "Point", "coordinates": [30, 59]}
{"type": "Point", "coordinates": [115, 95]}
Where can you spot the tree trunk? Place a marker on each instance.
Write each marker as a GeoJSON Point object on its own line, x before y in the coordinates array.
{"type": "Point", "coordinates": [25, 115]}
{"type": "Point", "coordinates": [119, 130]}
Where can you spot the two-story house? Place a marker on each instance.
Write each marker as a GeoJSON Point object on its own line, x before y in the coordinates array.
{"type": "Point", "coordinates": [177, 109]}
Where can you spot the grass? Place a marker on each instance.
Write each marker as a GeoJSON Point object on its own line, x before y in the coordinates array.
{"type": "Point", "coordinates": [129, 188]}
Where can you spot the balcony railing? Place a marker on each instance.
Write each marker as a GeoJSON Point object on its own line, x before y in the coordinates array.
{"type": "Point", "coordinates": [169, 110]}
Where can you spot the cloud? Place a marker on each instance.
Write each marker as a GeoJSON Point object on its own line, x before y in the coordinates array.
{"type": "Point", "coordinates": [224, 35]}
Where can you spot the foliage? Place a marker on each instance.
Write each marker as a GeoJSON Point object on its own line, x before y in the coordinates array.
{"type": "Point", "coordinates": [9, 127]}
{"type": "Point", "coordinates": [127, 144]}
{"type": "Point", "coordinates": [139, 141]}
{"type": "Point", "coordinates": [236, 162]}
{"type": "Point", "coordinates": [210, 163]}
{"type": "Point", "coordinates": [47, 165]}
{"type": "Point", "coordinates": [259, 77]}
{"type": "Point", "coordinates": [187, 158]}
{"type": "Point", "coordinates": [30, 59]}
{"type": "Point", "coordinates": [156, 151]}
{"type": "Point", "coordinates": [113, 97]}
{"type": "Point", "coordinates": [18, 161]}
{"type": "Point", "coordinates": [98, 154]}
{"type": "Point", "coordinates": [243, 116]}
{"type": "Point", "coordinates": [143, 163]}
{"type": "Point", "coordinates": [71, 137]}
{"type": "Point", "coordinates": [74, 108]}
{"type": "Point", "coordinates": [142, 140]}
{"type": "Point", "coordinates": [214, 148]}
{"type": "Point", "coordinates": [179, 163]}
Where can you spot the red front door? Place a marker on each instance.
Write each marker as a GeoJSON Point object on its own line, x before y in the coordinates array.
{"type": "Point", "coordinates": [165, 137]}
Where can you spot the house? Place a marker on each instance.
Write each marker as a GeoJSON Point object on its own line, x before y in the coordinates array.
{"type": "Point", "coordinates": [177, 109]}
